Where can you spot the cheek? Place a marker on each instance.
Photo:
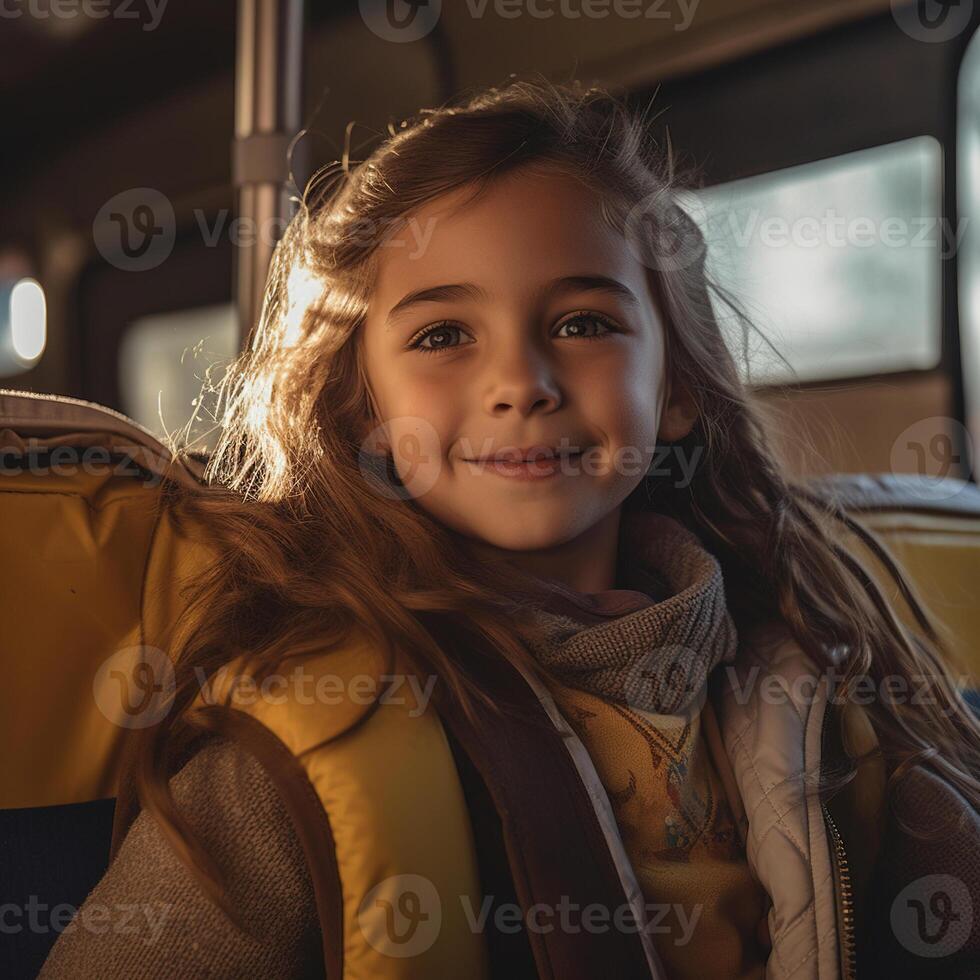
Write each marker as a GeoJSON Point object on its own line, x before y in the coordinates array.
{"type": "Point", "coordinates": [627, 401]}
{"type": "Point", "coordinates": [417, 448]}
{"type": "Point", "coordinates": [418, 395]}
{"type": "Point", "coordinates": [402, 389]}
{"type": "Point", "coordinates": [421, 419]}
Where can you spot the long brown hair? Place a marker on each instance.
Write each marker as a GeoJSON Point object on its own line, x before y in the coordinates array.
{"type": "Point", "coordinates": [312, 549]}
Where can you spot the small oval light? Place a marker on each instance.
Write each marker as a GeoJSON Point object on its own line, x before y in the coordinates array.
{"type": "Point", "coordinates": [28, 323]}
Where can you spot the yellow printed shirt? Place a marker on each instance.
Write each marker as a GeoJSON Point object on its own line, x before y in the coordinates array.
{"type": "Point", "coordinates": [703, 903]}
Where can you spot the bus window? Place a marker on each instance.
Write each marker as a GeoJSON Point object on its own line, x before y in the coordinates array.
{"type": "Point", "coordinates": [838, 262]}
{"type": "Point", "coordinates": [164, 362]}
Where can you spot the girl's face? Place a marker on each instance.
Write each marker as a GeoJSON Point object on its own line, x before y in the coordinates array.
{"type": "Point", "coordinates": [519, 320]}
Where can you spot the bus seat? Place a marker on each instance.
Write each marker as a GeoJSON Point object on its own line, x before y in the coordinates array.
{"type": "Point", "coordinates": [90, 569]}
{"type": "Point", "coordinates": [931, 527]}
{"type": "Point", "coordinates": [92, 577]}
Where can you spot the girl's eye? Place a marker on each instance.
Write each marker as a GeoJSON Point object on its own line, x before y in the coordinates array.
{"type": "Point", "coordinates": [441, 333]}
{"type": "Point", "coordinates": [438, 331]}
{"type": "Point", "coordinates": [586, 317]}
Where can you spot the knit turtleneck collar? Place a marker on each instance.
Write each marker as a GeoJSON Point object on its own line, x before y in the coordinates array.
{"type": "Point", "coordinates": [651, 642]}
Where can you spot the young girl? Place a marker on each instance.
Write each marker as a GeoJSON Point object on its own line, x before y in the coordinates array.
{"type": "Point", "coordinates": [549, 662]}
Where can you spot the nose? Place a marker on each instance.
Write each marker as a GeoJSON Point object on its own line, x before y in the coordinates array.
{"type": "Point", "coordinates": [522, 379]}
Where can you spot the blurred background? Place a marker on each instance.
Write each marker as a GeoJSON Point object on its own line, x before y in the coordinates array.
{"type": "Point", "coordinates": [835, 142]}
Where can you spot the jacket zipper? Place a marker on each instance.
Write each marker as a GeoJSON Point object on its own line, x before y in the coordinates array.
{"type": "Point", "coordinates": [845, 900]}
{"type": "Point", "coordinates": [842, 888]}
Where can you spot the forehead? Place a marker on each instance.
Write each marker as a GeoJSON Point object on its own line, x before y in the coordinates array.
{"type": "Point", "coordinates": [526, 228]}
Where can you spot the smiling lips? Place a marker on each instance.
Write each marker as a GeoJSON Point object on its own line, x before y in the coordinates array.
{"type": "Point", "coordinates": [532, 463]}
{"type": "Point", "coordinates": [529, 454]}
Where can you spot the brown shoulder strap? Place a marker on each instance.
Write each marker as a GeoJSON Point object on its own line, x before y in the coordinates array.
{"type": "Point", "coordinates": [508, 951]}
{"type": "Point", "coordinates": [555, 847]}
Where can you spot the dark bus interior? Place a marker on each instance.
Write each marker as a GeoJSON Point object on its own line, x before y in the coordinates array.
{"type": "Point", "coordinates": [839, 107]}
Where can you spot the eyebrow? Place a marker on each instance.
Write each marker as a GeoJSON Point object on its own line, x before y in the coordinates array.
{"type": "Point", "coordinates": [469, 290]}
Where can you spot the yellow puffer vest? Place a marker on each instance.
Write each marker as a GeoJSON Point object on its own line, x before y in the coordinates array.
{"type": "Point", "coordinates": [385, 827]}
{"type": "Point", "coordinates": [93, 585]}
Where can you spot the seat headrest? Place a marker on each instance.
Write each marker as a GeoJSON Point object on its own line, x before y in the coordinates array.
{"type": "Point", "coordinates": [58, 420]}
{"type": "Point", "coordinates": [900, 491]}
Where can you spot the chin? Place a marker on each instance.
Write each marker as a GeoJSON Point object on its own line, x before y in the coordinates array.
{"type": "Point", "coordinates": [524, 535]}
